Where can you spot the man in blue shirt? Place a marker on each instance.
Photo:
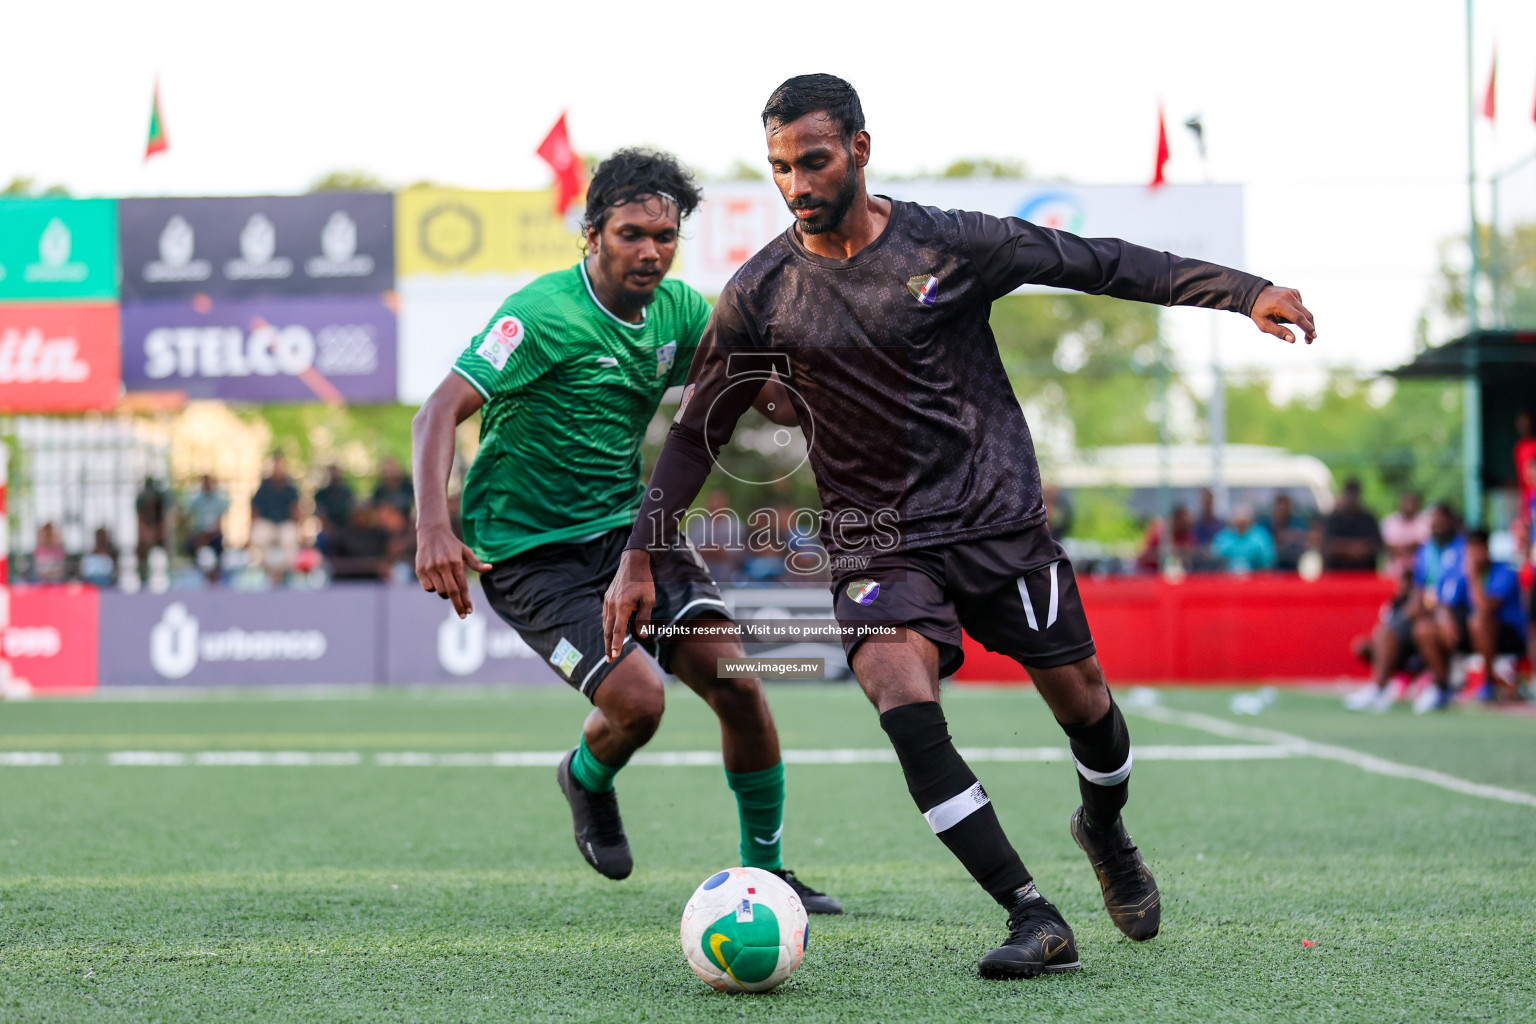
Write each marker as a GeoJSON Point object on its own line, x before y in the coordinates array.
{"type": "Point", "coordinates": [1243, 545]}
{"type": "Point", "coordinates": [1480, 612]}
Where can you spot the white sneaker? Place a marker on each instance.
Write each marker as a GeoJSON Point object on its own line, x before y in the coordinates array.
{"type": "Point", "coordinates": [1431, 698]}
{"type": "Point", "coordinates": [1363, 698]}
{"type": "Point", "coordinates": [1385, 698]}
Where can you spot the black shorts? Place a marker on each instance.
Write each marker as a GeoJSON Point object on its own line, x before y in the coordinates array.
{"type": "Point", "coordinates": [1510, 640]}
{"type": "Point", "coordinates": [553, 596]}
{"type": "Point", "coordinates": [1014, 594]}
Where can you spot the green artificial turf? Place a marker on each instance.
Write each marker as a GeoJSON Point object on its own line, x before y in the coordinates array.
{"type": "Point", "coordinates": [373, 893]}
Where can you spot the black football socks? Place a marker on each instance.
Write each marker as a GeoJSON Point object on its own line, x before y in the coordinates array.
{"type": "Point", "coordinates": [954, 803]}
{"type": "Point", "coordinates": [1102, 751]}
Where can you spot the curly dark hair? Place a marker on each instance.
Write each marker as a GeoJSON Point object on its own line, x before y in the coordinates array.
{"type": "Point", "coordinates": [631, 173]}
{"type": "Point", "coordinates": [806, 94]}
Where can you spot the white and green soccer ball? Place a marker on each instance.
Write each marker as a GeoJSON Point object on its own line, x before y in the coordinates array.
{"type": "Point", "coordinates": [744, 930]}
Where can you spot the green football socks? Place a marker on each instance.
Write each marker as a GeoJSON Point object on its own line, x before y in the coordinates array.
{"type": "Point", "coordinates": [594, 776]}
{"type": "Point", "coordinates": [760, 806]}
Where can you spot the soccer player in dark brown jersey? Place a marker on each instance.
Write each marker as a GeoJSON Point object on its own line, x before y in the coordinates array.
{"type": "Point", "coordinates": [875, 315]}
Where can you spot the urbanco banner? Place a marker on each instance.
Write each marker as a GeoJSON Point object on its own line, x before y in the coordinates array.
{"type": "Point", "coordinates": [262, 350]}
{"type": "Point", "coordinates": [324, 243]}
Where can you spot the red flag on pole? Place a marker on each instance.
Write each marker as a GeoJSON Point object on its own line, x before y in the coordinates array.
{"type": "Point", "coordinates": [1488, 95]}
{"type": "Point", "coordinates": [158, 143]}
{"type": "Point", "coordinates": [556, 151]}
{"type": "Point", "coordinates": [1162, 148]}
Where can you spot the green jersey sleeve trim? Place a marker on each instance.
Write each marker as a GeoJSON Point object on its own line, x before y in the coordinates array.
{"type": "Point", "coordinates": [477, 385]}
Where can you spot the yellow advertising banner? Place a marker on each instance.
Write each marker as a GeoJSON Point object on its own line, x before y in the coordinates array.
{"type": "Point", "coordinates": [441, 231]}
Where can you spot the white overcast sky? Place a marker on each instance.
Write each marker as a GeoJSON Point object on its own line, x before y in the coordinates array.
{"type": "Point", "coordinates": [1345, 119]}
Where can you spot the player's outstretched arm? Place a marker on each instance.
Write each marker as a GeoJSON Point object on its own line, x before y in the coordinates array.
{"type": "Point", "coordinates": [631, 592]}
{"type": "Point", "coordinates": [1276, 306]}
{"type": "Point", "coordinates": [440, 556]}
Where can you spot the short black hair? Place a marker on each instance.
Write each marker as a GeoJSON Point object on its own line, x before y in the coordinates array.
{"type": "Point", "coordinates": [631, 173]}
{"type": "Point", "coordinates": [1477, 533]}
{"type": "Point", "coordinates": [807, 94]}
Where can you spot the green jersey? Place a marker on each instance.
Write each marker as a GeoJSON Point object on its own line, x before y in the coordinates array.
{"type": "Point", "coordinates": [569, 390]}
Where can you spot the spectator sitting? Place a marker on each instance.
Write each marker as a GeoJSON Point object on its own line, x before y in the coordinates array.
{"type": "Point", "coordinates": [1403, 530]}
{"type": "Point", "coordinates": [401, 549]}
{"type": "Point", "coordinates": [394, 488]}
{"type": "Point", "coordinates": [1288, 531]}
{"type": "Point", "coordinates": [360, 550]}
{"type": "Point", "coordinates": [1207, 524]}
{"type": "Point", "coordinates": [48, 556]}
{"type": "Point", "coordinates": [1480, 613]}
{"type": "Point", "coordinates": [333, 506]}
{"type": "Point", "coordinates": [205, 526]}
{"type": "Point", "coordinates": [1244, 546]}
{"type": "Point", "coordinates": [1351, 537]}
{"type": "Point", "coordinates": [1525, 462]}
{"type": "Point", "coordinates": [99, 565]}
{"type": "Point", "coordinates": [1182, 547]}
{"type": "Point", "coordinates": [275, 521]}
{"type": "Point", "coordinates": [150, 507]}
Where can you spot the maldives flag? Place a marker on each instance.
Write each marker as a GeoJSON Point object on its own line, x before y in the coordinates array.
{"type": "Point", "coordinates": [1488, 94]}
{"type": "Point", "coordinates": [556, 151]}
{"type": "Point", "coordinates": [158, 143]}
{"type": "Point", "coordinates": [1162, 149]}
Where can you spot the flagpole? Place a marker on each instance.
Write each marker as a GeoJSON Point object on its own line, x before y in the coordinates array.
{"type": "Point", "coordinates": [1471, 391]}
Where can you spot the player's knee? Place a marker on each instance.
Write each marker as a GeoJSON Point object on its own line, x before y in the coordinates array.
{"type": "Point", "coordinates": [638, 709]}
{"type": "Point", "coordinates": [737, 699]}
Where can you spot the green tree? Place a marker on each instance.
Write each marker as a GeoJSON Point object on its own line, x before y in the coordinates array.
{"type": "Point", "coordinates": [986, 167]}
{"type": "Point", "coordinates": [25, 185]}
{"type": "Point", "coordinates": [349, 181]}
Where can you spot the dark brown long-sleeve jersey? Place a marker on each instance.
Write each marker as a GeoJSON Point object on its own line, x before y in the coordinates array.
{"type": "Point", "coordinates": [915, 435]}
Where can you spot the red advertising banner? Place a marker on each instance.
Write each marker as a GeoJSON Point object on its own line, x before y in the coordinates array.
{"type": "Point", "coordinates": [59, 358]}
{"type": "Point", "coordinates": [53, 637]}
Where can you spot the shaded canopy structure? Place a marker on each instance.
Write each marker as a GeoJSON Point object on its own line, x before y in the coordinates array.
{"type": "Point", "coordinates": [1499, 367]}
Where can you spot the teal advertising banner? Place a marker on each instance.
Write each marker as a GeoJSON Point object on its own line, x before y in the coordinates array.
{"type": "Point", "coordinates": [58, 249]}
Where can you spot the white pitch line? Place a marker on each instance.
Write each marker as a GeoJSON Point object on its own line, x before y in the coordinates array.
{"type": "Point", "coordinates": [550, 758]}
{"type": "Point", "coordinates": [1327, 751]}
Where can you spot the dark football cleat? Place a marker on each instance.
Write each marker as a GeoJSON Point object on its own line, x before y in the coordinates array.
{"type": "Point", "coordinates": [1039, 942]}
{"type": "Point", "coordinates": [1130, 891]}
{"type": "Point", "coordinates": [814, 900]}
{"type": "Point", "coordinates": [599, 830]}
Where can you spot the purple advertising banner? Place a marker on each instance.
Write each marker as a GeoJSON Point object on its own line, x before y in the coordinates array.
{"type": "Point", "coordinates": [262, 350]}
{"type": "Point", "coordinates": [227, 637]}
{"type": "Point", "coordinates": [426, 642]}
{"type": "Point", "coordinates": [324, 243]}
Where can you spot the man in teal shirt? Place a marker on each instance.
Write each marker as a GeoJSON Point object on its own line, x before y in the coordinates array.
{"type": "Point", "coordinates": [567, 376]}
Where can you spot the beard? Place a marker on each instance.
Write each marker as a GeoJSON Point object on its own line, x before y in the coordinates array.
{"type": "Point", "coordinates": [629, 298]}
{"type": "Point", "coordinates": [832, 213]}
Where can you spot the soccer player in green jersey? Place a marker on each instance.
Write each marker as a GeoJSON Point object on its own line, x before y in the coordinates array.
{"type": "Point", "coordinates": [567, 376]}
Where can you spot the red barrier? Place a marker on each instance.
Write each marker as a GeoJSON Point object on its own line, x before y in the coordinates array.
{"type": "Point", "coordinates": [52, 639]}
{"type": "Point", "coordinates": [1216, 629]}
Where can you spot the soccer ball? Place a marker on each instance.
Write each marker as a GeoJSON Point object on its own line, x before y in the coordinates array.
{"type": "Point", "coordinates": [744, 930]}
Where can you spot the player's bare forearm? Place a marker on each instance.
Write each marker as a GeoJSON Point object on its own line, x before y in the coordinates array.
{"type": "Point", "coordinates": [440, 556]}
{"type": "Point", "coordinates": [1277, 306]}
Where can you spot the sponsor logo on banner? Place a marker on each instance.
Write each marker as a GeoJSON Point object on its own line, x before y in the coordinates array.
{"type": "Point", "coordinates": [176, 644]}
{"type": "Point", "coordinates": [325, 243]}
{"type": "Point", "coordinates": [463, 645]}
{"type": "Point", "coordinates": [263, 350]}
{"type": "Point", "coordinates": [52, 639]}
{"type": "Point", "coordinates": [258, 247]}
{"type": "Point", "coordinates": [56, 358]}
{"type": "Point", "coordinates": [177, 245]}
{"type": "Point", "coordinates": [58, 249]}
{"type": "Point", "coordinates": [458, 231]}
{"type": "Point", "coordinates": [501, 341]}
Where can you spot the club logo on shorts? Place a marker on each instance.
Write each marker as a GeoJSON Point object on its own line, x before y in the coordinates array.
{"type": "Point", "coordinates": [665, 356]}
{"type": "Point", "coordinates": [501, 341]}
{"type": "Point", "coordinates": [565, 658]}
{"type": "Point", "coordinates": [923, 288]}
{"type": "Point", "coordinates": [864, 591]}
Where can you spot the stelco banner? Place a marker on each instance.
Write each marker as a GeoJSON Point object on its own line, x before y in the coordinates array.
{"type": "Point", "coordinates": [325, 243]}
{"type": "Point", "coordinates": [58, 358]}
{"type": "Point", "coordinates": [262, 350]}
{"type": "Point", "coordinates": [456, 231]}
{"type": "Point", "coordinates": [58, 249]}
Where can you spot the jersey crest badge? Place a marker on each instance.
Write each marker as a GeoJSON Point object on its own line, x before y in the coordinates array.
{"type": "Point", "coordinates": [665, 356]}
{"type": "Point", "coordinates": [501, 341]}
{"type": "Point", "coordinates": [924, 288]}
{"type": "Point", "coordinates": [864, 591]}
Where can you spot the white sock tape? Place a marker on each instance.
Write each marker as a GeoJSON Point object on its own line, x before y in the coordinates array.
{"type": "Point", "coordinates": [956, 809]}
{"type": "Point", "coordinates": [1113, 778]}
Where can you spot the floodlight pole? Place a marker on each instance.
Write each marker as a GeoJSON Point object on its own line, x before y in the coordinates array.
{"type": "Point", "coordinates": [1471, 387]}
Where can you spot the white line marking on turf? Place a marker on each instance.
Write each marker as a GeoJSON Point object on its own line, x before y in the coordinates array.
{"type": "Point", "coordinates": [551, 758]}
{"type": "Point", "coordinates": [1329, 752]}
